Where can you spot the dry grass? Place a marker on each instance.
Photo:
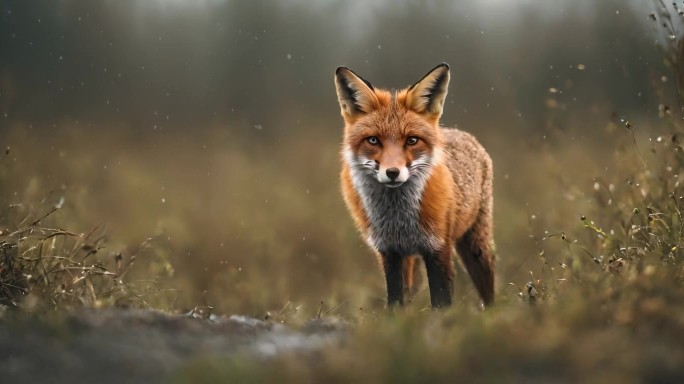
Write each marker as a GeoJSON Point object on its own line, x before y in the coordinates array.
{"type": "Point", "coordinates": [590, 287]}
{"type": "Point", "coordinates": [604, 306]}
{"type": "Point", "coordinates": [44, 268]}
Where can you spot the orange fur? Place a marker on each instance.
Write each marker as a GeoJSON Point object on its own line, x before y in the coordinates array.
{"type": "Point", "coordinates": [353, 202]}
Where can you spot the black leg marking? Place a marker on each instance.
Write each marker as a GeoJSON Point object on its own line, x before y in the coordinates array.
{"type": "Point", "coordinates": [440, 272]}
{"type": "Point", "coordinates": [392, 264]}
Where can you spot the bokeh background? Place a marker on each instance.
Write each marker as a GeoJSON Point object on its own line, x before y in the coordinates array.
{"type": "Point", "coordinates": [209, 131]}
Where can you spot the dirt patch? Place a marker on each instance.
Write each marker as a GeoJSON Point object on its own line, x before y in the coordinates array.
{"type": "Point", "coordinates": [115, 345]}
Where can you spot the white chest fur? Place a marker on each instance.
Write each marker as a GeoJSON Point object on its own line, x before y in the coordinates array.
{"type": "Point", "coordinates": [394, 215]}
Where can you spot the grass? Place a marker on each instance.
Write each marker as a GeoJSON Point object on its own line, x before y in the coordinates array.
{"type": "Point", "coordinates": [591, 292]}
{"type": "Point", "coordinates": [43, 268]}
{"type": "Point", "coordinates": [605, 307]}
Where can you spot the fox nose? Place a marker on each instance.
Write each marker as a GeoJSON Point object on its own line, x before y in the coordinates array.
{"type": "Point", "coordinates": [392, 173]}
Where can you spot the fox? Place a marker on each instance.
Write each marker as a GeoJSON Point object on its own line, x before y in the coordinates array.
{"type": "Point", "coordinates": [415, 189]}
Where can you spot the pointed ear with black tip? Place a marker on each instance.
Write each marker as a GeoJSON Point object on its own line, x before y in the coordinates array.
{"type": "Point", "coordinates": [356, 95]}
{"type": "Point", "coordinates": [427, 96]}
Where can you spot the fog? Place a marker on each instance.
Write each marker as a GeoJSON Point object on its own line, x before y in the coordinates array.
{"type": "Point", "coordinates": [176, 63]}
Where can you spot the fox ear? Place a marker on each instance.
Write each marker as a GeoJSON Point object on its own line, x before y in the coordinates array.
{"type": "Point", "coordinates": [356, 95]}
{"type": "Point", "coordinates": [427, 96]}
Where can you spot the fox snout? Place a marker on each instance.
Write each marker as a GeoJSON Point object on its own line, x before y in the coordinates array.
{"type": "Point", "coordinates": [393, 176]}
{"type": "Point", "coordinates": [392, 164]}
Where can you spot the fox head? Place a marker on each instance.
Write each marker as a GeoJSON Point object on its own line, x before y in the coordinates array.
{"type": "Point", "coordinates": [392, 137]}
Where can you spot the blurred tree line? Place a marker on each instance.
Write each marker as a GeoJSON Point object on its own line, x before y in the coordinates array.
{"type": "Point", "coordinates": [170, 64]}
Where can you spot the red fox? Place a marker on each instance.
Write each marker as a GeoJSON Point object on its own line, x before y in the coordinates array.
{"type": "Point", "coordinates": [415, 189]}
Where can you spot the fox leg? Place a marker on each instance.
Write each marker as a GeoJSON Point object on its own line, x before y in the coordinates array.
{"type": "Point", "coordinates": [476, 249]}
{"type": "Point", "coordinates": [440, 272]}
{"type": "Point", "coordinates": [410, 268]}
{"type": "Point", "coordinates": [392, 264]}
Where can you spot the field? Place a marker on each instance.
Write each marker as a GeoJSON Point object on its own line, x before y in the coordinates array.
{"type": "Point", "coordinates": [219, 249]}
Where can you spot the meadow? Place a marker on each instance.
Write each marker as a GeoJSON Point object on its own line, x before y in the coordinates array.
{"type": "Point", "coordinates": [108, 227]}
{"type": "Point", "coordinates": [589, 282]}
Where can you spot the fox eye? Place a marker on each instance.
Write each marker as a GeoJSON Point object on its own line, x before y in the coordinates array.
{"type": "Point", "coordinates": [412, 140]}
{"type": "Point", "coordinates": [373, 140]}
